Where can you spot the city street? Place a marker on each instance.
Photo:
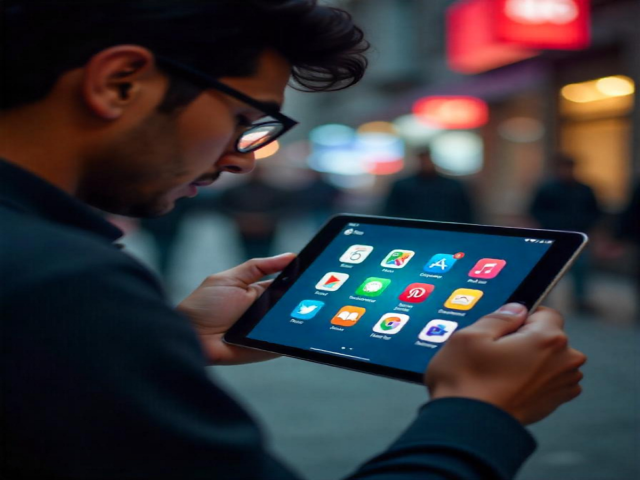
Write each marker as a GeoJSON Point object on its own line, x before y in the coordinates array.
{"type": "Point", "coordinates": [325, 421]}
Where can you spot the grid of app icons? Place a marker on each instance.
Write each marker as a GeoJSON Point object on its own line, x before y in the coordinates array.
{"type": "Point", "coordinates": [368, 289]}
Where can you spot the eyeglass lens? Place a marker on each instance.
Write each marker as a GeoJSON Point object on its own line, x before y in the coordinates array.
{"type": "Point", "coordinates": [258, 136]}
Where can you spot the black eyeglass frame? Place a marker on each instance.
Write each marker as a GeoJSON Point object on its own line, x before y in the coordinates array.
{"type": "Point", "coordinates": [201, 78]}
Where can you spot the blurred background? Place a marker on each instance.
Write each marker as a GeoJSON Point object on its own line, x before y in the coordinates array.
{"type": "Point", "coordinates": [502, 112]}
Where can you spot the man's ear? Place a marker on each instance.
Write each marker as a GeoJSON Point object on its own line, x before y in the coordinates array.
{"type": "Point", "coordinates": [115, 78]}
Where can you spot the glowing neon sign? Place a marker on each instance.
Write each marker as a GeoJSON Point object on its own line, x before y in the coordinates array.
{"type": "Point", "coordinates": [485, 34]}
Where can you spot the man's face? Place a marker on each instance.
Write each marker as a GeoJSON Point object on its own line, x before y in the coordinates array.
{"type": "Point", "coordinates": [168, 156]}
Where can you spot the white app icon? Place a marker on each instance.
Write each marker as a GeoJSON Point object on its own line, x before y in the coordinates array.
{"type": "Point", "coordinates": [332, 281]}
{"type": "Point", "coordinates": [306, 309]}
{"type": "Point", "coordinates": [463, 299]}
{"type": "Point", "coordinates": [438, 331]}
{"type": "Point", "coordinates": [356, 254]}
{"type": "Point", "coordinates": [391, 323]}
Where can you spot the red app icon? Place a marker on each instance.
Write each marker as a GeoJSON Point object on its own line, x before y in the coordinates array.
{"type": "Point", "coordinates": [416, 292]}
{"type": "Point", "coordinates": [487, 268]}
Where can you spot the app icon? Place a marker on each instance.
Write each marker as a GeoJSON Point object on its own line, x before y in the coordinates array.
{"type": "Point", "coordinates": [397, 258]}
{"type": "Point", "coordinates": [373, 286]}
{"type": "Point", "coordinates": [307, 309]}
{"type": "Point", "coordinates": [442, 262]}
{"type": "Point", "coordinates": [437, 331]}
{"type": "Point", "coordinates": [391, 323]}
{"type": "Point", "coordinates": [356, 254]}
{"type": "Point", "coordinates": [487, 268]}
{"type": "Point", "coordinates": [348, 316]}
{"type": "Point", "coordinates": [416, 292]}
{"type": "Point", "coordinates": [463, 299]}
{"type": "Point", "coordinates": [332, 281]}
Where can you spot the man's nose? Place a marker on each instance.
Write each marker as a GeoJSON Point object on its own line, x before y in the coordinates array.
{"type": "Point", "coordinates": [236, 162]}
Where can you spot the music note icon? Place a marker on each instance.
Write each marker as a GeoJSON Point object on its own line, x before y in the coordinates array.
{"type": "Point", "coordinates": [487, 268]}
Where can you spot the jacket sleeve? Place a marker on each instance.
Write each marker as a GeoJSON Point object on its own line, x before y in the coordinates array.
{"type": "Point", "coordinates": [454, 438]}
{"type": "Point", "coordinates": [103, 380]}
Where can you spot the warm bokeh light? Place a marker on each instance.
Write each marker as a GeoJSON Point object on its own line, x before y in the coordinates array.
{"type": "Point", "coordinates": [580, 93]}
{"type": "Point", "coordinates": [616, 86]}
{"type": "Point", "coordinates": [600, 89]}
{"type": "Point", "coordinates": [452, 112]}
{"type": "Point", "coordinates": [267, 150]}
{"type": "Point", "coordinates": [378, 127]}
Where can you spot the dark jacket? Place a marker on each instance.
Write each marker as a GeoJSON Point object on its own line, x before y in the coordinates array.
{"type": "Point", "coordinates": [101, 379]}
{"type": "Point", "coordinates": [561, 205]}
{"type": "Point", "coordinates": [430, 197]}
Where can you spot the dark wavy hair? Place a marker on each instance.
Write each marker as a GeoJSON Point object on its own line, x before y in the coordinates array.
{"type": "Point", "coordinates": [42, 39]}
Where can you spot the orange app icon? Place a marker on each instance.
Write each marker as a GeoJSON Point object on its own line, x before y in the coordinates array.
{"type": "Point", "coordinates": [348, 316]}
{"type": "Point", "coordinates": [463, 299]}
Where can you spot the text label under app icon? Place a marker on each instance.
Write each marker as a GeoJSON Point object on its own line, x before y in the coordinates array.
{"type": "Point", "coordinates": [332, 281]}
{"type": "Point", "coordinates": [307, 309]}
{"type": "Point", "coordinates": [391, 323]}
{"type": "Point", "coordinates": [487, 268]}
{"type": "Point", "coordinates": [373, 286]}
{"type": "Point", "coordinates": [356, 254]}
{"type": "Point", "coordinates": [437, 331]}
{"type": "Point", "coordinates": [442, 262]}
{"type": "Point", "coordinates": [348, 316]}
{"type": "Point", "coordinates": [416, 293]}
{"type": "Point", "coordinates": [463, 299]}
{"type": "Point", "coordinates": [397, 258]}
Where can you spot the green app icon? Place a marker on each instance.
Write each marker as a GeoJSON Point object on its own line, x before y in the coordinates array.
{"type": "Point", "coordinates": [373, 286]}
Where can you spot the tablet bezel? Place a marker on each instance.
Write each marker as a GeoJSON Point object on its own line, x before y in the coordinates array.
{"type": "Point", "coordinates": [555, 262]}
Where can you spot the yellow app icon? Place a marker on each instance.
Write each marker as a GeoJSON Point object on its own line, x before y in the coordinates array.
{"type": "Point", "coordinates": [463, 299]}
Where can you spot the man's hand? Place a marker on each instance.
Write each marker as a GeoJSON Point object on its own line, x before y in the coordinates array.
{"type": "Point", "coordinates": [220, 301]}
{"type": "Point", "coordinates": [522, 365]}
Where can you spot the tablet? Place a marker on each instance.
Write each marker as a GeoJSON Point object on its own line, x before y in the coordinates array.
{"type": "Point", "coordinates": [382, 295]}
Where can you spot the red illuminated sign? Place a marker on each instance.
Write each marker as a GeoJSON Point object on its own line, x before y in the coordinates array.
{"type": "Point", "coordinates": [543, 24]}
{"type": "Point", "coordinates": [485, 34]}
{"type": "Point", "coordinates": [452, 112]}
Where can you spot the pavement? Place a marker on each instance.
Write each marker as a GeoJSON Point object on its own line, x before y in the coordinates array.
{"type": "Point", "coordinates": [325, 421]}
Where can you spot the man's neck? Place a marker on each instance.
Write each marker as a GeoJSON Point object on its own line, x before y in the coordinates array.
{"type": "Point", "coordinates": [39, 148]}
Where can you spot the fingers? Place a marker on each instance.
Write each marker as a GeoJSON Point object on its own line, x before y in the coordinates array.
{"type": "Point", "coordinates": [547, 315]}
{"type": "Point", "coordinates": [262, 286]}
{"type": "Point", "coordinates": [504, 321]}
{"type": "Point", "coordinates": [253, 270]}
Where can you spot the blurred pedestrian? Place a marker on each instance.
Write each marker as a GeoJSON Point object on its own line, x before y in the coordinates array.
{"type": "Point", "coordinates": [428, 195]}
{"type": "Point", "coordinates": [565, 203]}
{"type": "Point", "coordinates": [317, 199]}
{"type": "Point", "coordinates": [257, 209]}
{"type": "Point", "coordinates": [629, 230]}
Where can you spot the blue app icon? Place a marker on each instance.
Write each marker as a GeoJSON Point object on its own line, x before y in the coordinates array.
{"type": "Point", "coordinates": [307, 309]}
{"type": "Point", "coordinates": [440, 263]}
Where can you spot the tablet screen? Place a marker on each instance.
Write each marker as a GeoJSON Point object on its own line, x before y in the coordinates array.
{"type": "Point", "coordinates": [392, 296]}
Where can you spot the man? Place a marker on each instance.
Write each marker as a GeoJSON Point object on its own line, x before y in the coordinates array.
{"type": "Point", "coordinates": [128, 106]}
{"type": "Point", "coordinates": [565, 203]}
{"type": "Point", "coordinates": [628, 230]}
{"type": "Point", "coordinates": [256, 207]}
{"type": "Point", "coordinates": [429, 196]}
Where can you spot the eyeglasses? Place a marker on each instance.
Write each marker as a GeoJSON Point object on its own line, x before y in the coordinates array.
{"type": "Point", "coordinates": [256, 135]}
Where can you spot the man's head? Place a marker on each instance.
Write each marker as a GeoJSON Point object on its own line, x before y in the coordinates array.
{"type": "Point", "coordinates": [565, 167]}
{"type": "Point", "coordinates": [129, 87]}
{"type": "Point", "coordinates": [427, 167]}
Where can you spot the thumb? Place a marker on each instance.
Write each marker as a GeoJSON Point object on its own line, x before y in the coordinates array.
{"type": "Point", "coordinates": [255, 269]}
{"type": "Point", "coordinates": [505, 320]}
